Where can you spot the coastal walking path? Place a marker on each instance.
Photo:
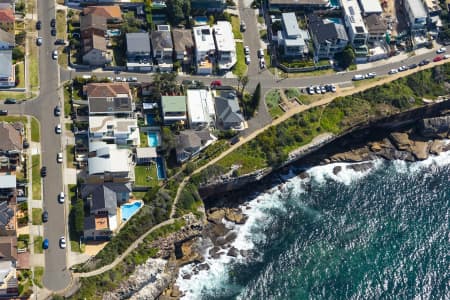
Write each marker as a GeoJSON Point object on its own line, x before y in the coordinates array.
{"type": "Point", "coordinates": [124, 254]}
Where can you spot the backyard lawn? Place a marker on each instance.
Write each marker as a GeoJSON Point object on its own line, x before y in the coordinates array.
{"type": "Point", "coordinates": [36, 176]}
{"type": "Point", "coordinates": [146, 175]}
{"type": "Point", "coordinates": [37, 216]}
{"type": "Point", "coordinates": [240, 67]}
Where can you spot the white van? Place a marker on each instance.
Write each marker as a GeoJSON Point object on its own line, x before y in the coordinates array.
{"type": "Point", "coordinates": [358, 77]}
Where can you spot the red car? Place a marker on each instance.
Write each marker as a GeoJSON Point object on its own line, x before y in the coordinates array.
{"type": "Point", "coordinates": [438, 58]}
{"type": "Point", "coordinates": [216, 83]}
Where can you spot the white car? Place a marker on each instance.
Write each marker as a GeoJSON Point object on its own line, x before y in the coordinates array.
{"type": "Point", "coordinates": [393, 71]}
{"type": "Point", "coordinates": [446, 56]}
{"type": "Point", "coordinates": [441, 50]}
{"type": "Point", "coordinates": [317, 90]}
{"type": "Point", "coordinates": [62, 242]}
{"type": "Point", "coordinates": [55, 54]}
{"type": "Point", "coordinates": [58, 129]}
{"type": "Point", "coordinates": [59, 157]}
{"type": "Point", "coordinates": [358, 77]}
{"type": "Point", "coordinates": [333, 88]}
{"type": "Point", "coordinates": [402, 68]}
{"type": "Point", "coordinates": [371, 75]}
{"type": "Point", "coordinates": [262, 63]}
{"type": "Point", "coordinates": [118, 78]}
{"type": "Point", "coordinates": [247, 59]}
{"type": "Point", "coordinates": [323, 90]}
{"type": "Point", "coordinates": [61, 197]}
{"type": "Point", "coordinates": [260, 53]}
{"type": "Point", "coordinates": [246, 50]}
{"type": "Point", "coordinates": [110, 78]}
{"type": "Point", "coordinates": [310, 90]}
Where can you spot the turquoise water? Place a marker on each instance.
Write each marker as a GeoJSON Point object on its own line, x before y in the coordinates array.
{"type": "Point", "coordinates": [160, 168]}
{"type": "Point", "coordinates": [200, 20]}
{"type": "Point", "coordinates": [128, 210]}
{"type": "Point", "coordinates": [153, 140]}
{"type": "Point", "coordinates": [113, 32]}
{"type": "Point", "coordinates": [335, 20]}
{"type": "Point", "coordinates": [335, 3]}
{"type": "Point", "coordinates": [382, 234]}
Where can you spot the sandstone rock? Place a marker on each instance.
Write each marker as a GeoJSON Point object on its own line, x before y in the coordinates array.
{"type": "Point", "coordinates": [420, 150]}
{"type": "Point", "coordinates": [175, 292]}
{"type": "Point", "coordinates": [216, 216]}
{"type": "Point", "coordinates": [401, 140]}
{"type": "Point", "coordinates": [337, 169]}
{"type": "Point", "coordinates": [235, 215]}
{"type": "Point", "coordinates": [375, 147]}
{"type": "Point", "coordinates": [357, 155]}
{"type": "Point", "coordinates": [436, 147]}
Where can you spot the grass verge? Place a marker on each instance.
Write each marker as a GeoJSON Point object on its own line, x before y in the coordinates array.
{"type": "Point", "coordinates": [35, 130]}
{"type": "Point", "coordinates": [33, 67]}
{"type": "Point", "coordinates": [38, 240]}
{"type": "Point", "coordinates": [38, 274]}
{"type": "Point", "coordinates": [236, 24]}
{"type": "Point", "coordinates": [70, 155]}
{"type": "Point", "coordinates": [36, 176]}
{"type": "Point", "coordinates": [240, 67]}
{"type": "Point", "coordinates": [36, 216]}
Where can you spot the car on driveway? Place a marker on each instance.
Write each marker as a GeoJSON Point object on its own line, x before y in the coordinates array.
{"type": "Point", "coordinates": [45, 244]}
{"type": "Point", "coordinates": [438, 58]}
{"type": "Point", "coordinates": [10, 101]}
{"type": "Point", "coordinates": [39, 41]}
{"type": "Point", "coordinates": [45, 216]}
{"type": "Point", "coordinates": [62, 242]}
{"type": "Point", "coordinates": [61, 197]}
{"type": "Point", "coordinates": [59, 157]}
{"type": "Point", "coordinates": [43, 171]}
{"type": "Point", "coordinates": [58, 129]}
{"type": "Point", "coordinates": [57, 111]}
{"type": "Point", "coordinates": [441, 50]}
{"type": "Point", "coordinates": [246, 50]}
{"type": "Point", "coordinates": [38, 25]}
{"type": "Point", "coordinates": [55, 54]}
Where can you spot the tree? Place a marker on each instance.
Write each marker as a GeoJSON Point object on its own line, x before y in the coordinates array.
{"type": "Point", "coordinates": [242, 82]}
{"type": "Point", "coordinates": [169, 141]}
{"type": "Point", "coordinates": [346, 57]}
{"type": "Point", "coordinates": [175, 11]}
{"type": "Point", "coordinates": [17, 54]}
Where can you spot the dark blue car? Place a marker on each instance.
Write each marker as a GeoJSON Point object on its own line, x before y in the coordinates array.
{"type": "Point", "coordinates": [45, 244]}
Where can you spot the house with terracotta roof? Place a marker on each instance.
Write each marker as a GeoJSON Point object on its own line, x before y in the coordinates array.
{"type": "Point", "coordinates": [112, 13]}
{"type": "Point", "coordinates": [95, 52]}
{"type": "Point", "coordinates": [7, 20]}
{"type": "Point", "coordinates": [109, 99]}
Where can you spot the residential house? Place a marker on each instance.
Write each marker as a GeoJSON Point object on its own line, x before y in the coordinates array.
{"type": "Point", "coordinates": [225, 45]}
{"type": "Point", "coordinates": [103, 201]}
{"type": "Point", "coordinates": [174, 109]}
{"type": "Point", "coordinates": [7, 40]}
{"type": "Point", "coordinates": [432, 7]}
{"type": "Point", "coordinates": [95, 52]}
{"type": "Point", "coordinates": [92, 24]}
{"type": "Point", "coordinates": [7, 217]}
{"type": "Point", "coordinates": [205, 49]}
{"type": "Point", "coordinates": [7, 20]}
{"type": "Point", "coordinates": [7, 70]}
{"type": "Point", "coordinates": [307, 5]}
{"type": "Point", "coordinates": [138, 52]}
{"type": "Point", "coordinates": [10, 146]}
{"type": "Point", "coordinates": [8, 192]}
{"type": "Point", "coordinates": [109, 99]}
{"type": "Point", "coordinates": [109, 163]}
{"type": "Point", "coordinates": [200, 107]}
{"type": "Point", "coordinates": [369, 7]}
{"type": "Point", "coordinates": [228, 112]}
{"type": "Point", "coordinates": [377, 27]}
{"type": "Point", "coordinates": [291, 38]}
{"type": "Point", "coordinates": [121, 131]}
{"type": "Point", "coordinates": [112, 13]}
{"type": "Point", "coordinates": [357, 31]}
{"type": "Point", "coordinates": [8, 4]}
{"type": "Point", "coordinates": [9, 285]}
{"type": "Point", "coordinates": [416, 14]}
{"type": "Point", "coordinates": [209, 5]}
{"type": "Point", "coordinates": [183, 45]}
{"type": "Point", "coordinates": [162, 47]}
{"type": "Point", "coordinates": [192, 142]}
{"type": "Point", "coordinates": [328, 37]}
{"type": "Point", "coordinates": [145, 155]}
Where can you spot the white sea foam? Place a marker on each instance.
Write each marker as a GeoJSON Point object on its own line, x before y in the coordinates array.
{"type": "Point", "coordinates": [441, 160]}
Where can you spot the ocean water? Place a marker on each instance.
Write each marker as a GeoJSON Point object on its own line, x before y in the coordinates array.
{"type": "Point", "coordinates": [383, 233]}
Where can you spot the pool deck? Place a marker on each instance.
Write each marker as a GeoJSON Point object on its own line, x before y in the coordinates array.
{"type": "Point", "coordinates": [119, 212]}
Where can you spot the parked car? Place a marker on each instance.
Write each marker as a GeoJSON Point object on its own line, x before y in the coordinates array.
{"type": "Point", "coordinates": [25, 144]}
{"type": "Point", "coordinates": [60, 42]}
{"type": "Point", "coordinates": [437, 58]}
{"type": "Point", "coordinates": [323, 90]}
{"type": "Point", "coordinates": [10, 101]}
{"type": "Point", "coordinates": [3, 112]}
{"type": "Point", "coordinates": [446, 56]}
{"type": "Point", "coordinates": [38, 25]}
{"type": "Point", "coordinates": [53, 32]}
{"type": "Point", "coordinates": [52, 22]}
{"type": "Point", "coordinates": [393, 71]}
{"type": "Point", "coordinates": [262, 63]}
{"type": "Point", "coordinates": [39, 41]}
{"type": "Point", "coordinates": [402, 68]}
{"type": "Point", "coordinates": [371, 75]}
{"type": "Point", "coordinates": [441, 50]}
{"type": "Point", "coordinates": [424, 62]}
{"type": "Point", "coordinates": [333, 88]}
{"type": "Point", "coordinates": [260, 53]}
{"type": "Point", "coordinates": [412, 66]}
{"type": "Point", "coordinates": [235, 140]}
{"type": "Point", "coordinates": [216, 83]}
{"type": "Point", "coordinates": [310, 90]}
{"type": "Point", "coordinates": [118, 78]}
{"type": "Point", "coordinates": [62, 242]}
{"type": "Point", "coordinates": [45, 244]}
{"type": "Point", "coordinates": [247, 59]}
{"type": "Point", "coordinates": [58, 129]}
{"type": "Point", "coordinates": [55, 54]}
{"type": "Point", "coordinates": [57, 111]}
{"type": "Point", "coordinates": [45, 216]}
{"type": "Point", "coordinates": [358, 77]}
{"type": "Point", "coordinates": [43, 171]}
{"type": "Point", "coordinates": [61, 197]}
{"type": "Point", "coordinates": [317, 90]}
{"type": "Point", "coordinates": [246, 50]}
{"type": "Point", "coordinates": [59, 157]}
{"type": "Point", "coordinates": [243, 27]}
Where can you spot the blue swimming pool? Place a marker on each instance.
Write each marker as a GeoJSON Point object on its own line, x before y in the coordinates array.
{"type": "Point", "coordinates": [150, 120]}
{"type": "Point", "coordinates": [335, 3]}
{"type": "Point", "coordinates": [113, 32]}
{"type": "Point", "coordinates": [200, 20]}
{"type": "Point", "coordinates": [153, 139]}
{"type": "Point", "coordinates": [160, 168]}
{"type": "Point", "coordinates": [128, 210]}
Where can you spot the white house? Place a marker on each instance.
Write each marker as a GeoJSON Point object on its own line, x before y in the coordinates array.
{"type": "Point", "coordinates": [417, 15]}
{"type": "Point", "coordinates": [122, 131]}
{"type": "Point", "coordinates": [200, 107]}
{"type": "Point", "coordinates": [291, 37]}
{"type": "Point", "coordinates": [204, 49]}
{"type": "Point", "coordinates": [225, 44]}
{"type": "Point", "coordinates": [357, 31]}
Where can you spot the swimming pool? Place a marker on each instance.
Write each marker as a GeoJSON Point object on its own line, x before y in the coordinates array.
{"type": "Point", "coordinates": [113, 32]}
{"type": "Point", "coordinates": [150, 120]}
{"type": "Point", "coordinates": [200, 20]}
{"type": "Point", "coordinates": [153, 139]}
{"type": "Point", "coordinates": [160, 168]}
{"type": "Point", "coordinates": [129, 209]}
{"type": "Point", "coordinates": [335, 3]}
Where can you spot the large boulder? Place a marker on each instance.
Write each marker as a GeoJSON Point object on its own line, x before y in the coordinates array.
{"type": "Point", "coordinates": [435, 127]}
{"type": "Point", "coordinates": [420, 150]}
{"type": "Point", "coordinates": [401, 140]}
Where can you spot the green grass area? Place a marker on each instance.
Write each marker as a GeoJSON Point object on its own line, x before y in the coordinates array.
{"type": "Point", "coordinates": [261, 20]}
{"type": "Point", "coordinates": [21, 75]}
{"type": "Point", "coordinates": [70, 155]}
{"type": "Point", "coordinates": [35, 130]}
{"type": "Point", "coordinates": [292, 93]}
{"type": "Point", "coordinates": [38, 240]}
{"type": "Point", "coordinates": [23, 240]}
{"type": "Point", "coordinates": [236, 24]}
{"type": "Point", "coordinates": [66, 100]}
{"type": "Point", "coordinates": [10, 119]}
{"type": "Point", "coordinates": [139, 195]}
{"type": "Point", "coordinates": [74, 236]}
{"type": "Point", "coordinates": [240, 67]}
{"type": "Point", "coordinates": [15, 95]}
{"type": "Point", "coordinates": [36, 176]}
{"type": "Point", "coordinates": [36, 216]}
{"type": "Point", "coordinates": [38, 274]}
{"type": "Point", "coordinates": [146, 175]}
{"type": "Point", "coordinates": [61, 24]}
{"type": "Point", "coordinates": [273, 100]}
{"type": "Point", "coordinates": [272, 147]}
{"type": "Point", "coordinates": [33, 66]}
{"type": "Point", "coordinates": [143, 138]}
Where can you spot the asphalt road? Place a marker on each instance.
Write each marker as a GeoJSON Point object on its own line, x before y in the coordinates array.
{"type": "Point", "coordinates": [56, 275]}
